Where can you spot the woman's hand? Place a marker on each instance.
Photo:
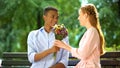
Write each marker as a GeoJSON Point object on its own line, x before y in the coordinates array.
{"type": "Point", "coordinates": [63, 45]}
{"type": "Point", "coordinates": [60, 44]}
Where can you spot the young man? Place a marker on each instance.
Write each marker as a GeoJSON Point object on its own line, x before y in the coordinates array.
{"type": "Point", "coordinates": [41, 52]}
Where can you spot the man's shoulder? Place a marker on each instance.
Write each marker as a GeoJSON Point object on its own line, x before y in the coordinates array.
{"type": "Point", "coordinates": [34, 32]}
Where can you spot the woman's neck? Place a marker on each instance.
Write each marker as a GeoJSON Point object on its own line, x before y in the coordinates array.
{"type": "Point", "coordinates": [88, 25]}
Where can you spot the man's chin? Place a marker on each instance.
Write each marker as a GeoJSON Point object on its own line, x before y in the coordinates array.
{"type": "Point", "coordinates": [51, 27]}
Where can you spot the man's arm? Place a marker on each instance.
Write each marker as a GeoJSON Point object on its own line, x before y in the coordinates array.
{"type": "Point", "coordinates": [32, 55]}
{"type": "Point", "coordinates": [39, 56]}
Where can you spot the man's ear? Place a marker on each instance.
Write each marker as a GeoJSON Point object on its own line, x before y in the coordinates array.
{"type": "Point", "coordinates": [44, 17]}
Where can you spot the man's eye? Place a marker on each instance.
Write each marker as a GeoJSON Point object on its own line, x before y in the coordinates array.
{"type": "Point", "coordinates": [52, 17]}
{"type": "Point", "coordinates": [56, 17]}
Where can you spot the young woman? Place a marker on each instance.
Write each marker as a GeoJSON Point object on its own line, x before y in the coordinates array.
{"type": "Point", "coordinates": [91, 46]}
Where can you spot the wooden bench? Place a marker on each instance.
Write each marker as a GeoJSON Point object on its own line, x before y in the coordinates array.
{"type": "Point", "coordinates": [19, 60]}
{"type": "Point", "coordinates": [15, 60]}
{"type": "Point", "coordinates": [108, 60]}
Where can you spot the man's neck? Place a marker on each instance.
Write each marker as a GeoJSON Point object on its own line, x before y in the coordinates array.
{"type": "Point", "coordinates": [47, 29]}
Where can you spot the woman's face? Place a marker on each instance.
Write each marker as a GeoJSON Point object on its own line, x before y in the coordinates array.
{"type": "Point", "coordinates": [81, 18]}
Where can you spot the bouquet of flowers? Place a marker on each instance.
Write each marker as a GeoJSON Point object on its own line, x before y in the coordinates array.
{"type": "Point", "coordinates": [60, 31]}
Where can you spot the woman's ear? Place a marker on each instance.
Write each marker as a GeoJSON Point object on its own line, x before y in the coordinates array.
{"type": "Point", "coordinates": [86, 15]}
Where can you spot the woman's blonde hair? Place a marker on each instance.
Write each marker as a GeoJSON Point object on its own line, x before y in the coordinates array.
{"type": "Point", "coordinates": [92, 13]}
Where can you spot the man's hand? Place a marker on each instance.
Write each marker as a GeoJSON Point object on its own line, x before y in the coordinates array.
{"type": "Point", "coordinates": [55, 49]}
{"type": "Point", "coordinates": [39, 56]}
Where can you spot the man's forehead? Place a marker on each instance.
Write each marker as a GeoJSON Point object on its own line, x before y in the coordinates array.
{"type": "Point", "coordinates": [52, 13]}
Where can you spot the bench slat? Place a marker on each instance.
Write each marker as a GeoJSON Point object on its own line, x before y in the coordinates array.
{"type": "Point", "coordinates": [106, 55]}
{"type": "Point", "coordinates": [15, 66]}
{"type": "Point", "coordinates": [110, 62]}
{"type": "Point", "coordinates": [15, 55]}
{"type": "Point", "coordinates": [73, 62]}
{"type": "Point", "coordinates": [24, 54]}
{"type": "Point", "coordinates": [111, 55]}
{"type": "Point", "coordinates": [16, 63]}
{"type": "Point", "coordinates": [103, 62]}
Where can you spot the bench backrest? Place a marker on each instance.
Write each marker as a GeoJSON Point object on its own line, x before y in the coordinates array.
{"type": "Point", "coordinates": [108, 60]}
{"type": "Point", "coordinates": [15, 59]}
{"type": "Point", "coordinates": [19, 59]}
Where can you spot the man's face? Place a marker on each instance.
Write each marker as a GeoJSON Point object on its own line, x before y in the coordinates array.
{"type": "Point", "coordinates": [51, 18]}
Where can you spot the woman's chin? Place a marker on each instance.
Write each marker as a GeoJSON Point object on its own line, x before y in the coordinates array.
{"type": "Point", "coordinates": [81, 25]}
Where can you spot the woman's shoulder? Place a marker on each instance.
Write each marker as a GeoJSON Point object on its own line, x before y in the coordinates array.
{"type": "Point", "coordinates": [92, 30]}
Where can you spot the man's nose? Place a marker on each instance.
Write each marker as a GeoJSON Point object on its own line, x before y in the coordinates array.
{"type": "Point", "coordinates": [55, 19]}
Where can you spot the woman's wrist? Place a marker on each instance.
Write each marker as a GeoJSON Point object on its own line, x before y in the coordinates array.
{"type": "Point", "coordinates": [68, 47]}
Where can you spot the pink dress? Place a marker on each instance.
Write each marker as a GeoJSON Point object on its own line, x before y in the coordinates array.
{"type": "Point", "coordinates": [89, 50]}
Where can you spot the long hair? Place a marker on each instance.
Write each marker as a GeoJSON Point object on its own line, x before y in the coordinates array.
{"type": "Point", "coordinates": [91, 10]}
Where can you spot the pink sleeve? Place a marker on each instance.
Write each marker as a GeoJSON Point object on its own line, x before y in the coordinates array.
{"type": "Point", "coordinates": [88, 45]}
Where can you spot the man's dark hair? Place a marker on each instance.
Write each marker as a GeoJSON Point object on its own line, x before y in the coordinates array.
{"type": "Point", "coordinates": [48, 9]}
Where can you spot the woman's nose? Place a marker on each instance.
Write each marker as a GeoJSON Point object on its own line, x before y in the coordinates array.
{"type": "Point", "coordinates": [78, 18]}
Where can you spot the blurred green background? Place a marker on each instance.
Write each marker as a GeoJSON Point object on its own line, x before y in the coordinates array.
{"type": "Point", "coordinates": [19, 17]}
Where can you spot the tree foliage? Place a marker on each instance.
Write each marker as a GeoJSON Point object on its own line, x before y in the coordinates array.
{"type": "Point", "coordinates": [19, 17]}
{"type": "Point", "coordinates": [110, 20]}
